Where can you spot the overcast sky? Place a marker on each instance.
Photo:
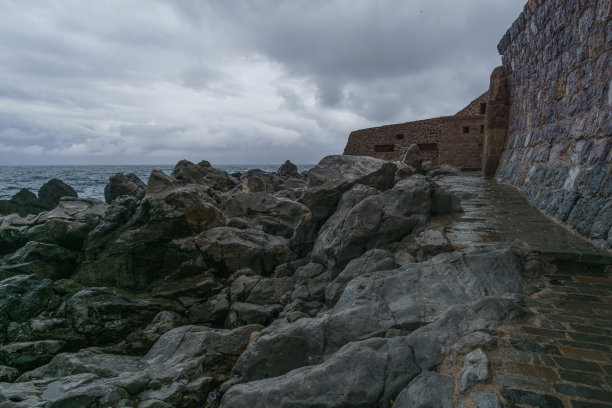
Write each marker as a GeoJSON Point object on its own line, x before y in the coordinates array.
{"type": "Point", "coordinates": [261, 81]}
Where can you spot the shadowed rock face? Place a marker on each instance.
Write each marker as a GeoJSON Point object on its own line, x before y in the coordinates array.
{"type": "Point", "coordinates": [25, 202]}
{"type": "Point", "coordinates": [298, 278]}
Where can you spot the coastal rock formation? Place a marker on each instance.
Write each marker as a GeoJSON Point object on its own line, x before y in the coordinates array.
{"type": "Point", "coordinates": [25, 202]}
{"type": "Point", "coordinates": [327, 289]}
{"type": "Point", "coordinates": [124, 184]}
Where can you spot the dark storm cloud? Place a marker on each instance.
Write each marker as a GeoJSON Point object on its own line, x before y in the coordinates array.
{"type": "Point", "coordinates": [232, 81]}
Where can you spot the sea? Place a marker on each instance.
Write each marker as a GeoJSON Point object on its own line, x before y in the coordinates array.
{"type": "Point", "coordinates": [89, 181]}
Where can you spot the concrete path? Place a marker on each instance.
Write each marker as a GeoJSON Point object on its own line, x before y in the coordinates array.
{"type": "Point", "coordinates": [561, 354]}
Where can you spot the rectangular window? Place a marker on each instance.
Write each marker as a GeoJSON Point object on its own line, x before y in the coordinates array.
{"type": "Point", "coordinates": [400, 136]}
{"type": "Point", "coordinates": [428, 147]}
{"type": "Point", "coordinates": [384, 148]}
{"type": "Point", "coordinates": [481, 128]}
{"type": "Point", "coordinates": [483, 108]}
{"type": "Point", "coordinates": [466, 129]}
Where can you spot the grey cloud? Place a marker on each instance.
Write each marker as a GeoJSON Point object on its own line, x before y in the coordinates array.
{"type": "Point", "coordinates": [233, 81]}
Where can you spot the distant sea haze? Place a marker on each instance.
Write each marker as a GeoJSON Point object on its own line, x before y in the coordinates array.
{"type": "Point", "coordinates": [89, 181]}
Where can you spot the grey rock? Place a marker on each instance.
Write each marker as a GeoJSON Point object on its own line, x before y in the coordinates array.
{"type": "Point", "coordinates": [533, 267]}
{"type": "Point", "coordinates": [412, 157]}
{"type": "Point", "coordinates": [8, 374]}
{"type": "Point", "coordinates": [269, 290]}
{"type": "Point", "coordinates": [375, 302]}
{"type": "Point", "coordinates": [444, 202]}
{"type": "Point", "coordinates": [276, 216]}
{"type": "Point", "coordinates": [475, 369]}
{"type": "Point", "coordinates": [428, 390]}
{"type": "Point", "coordinates": [334, 175]}
{"type": "Point", "coordinates": [24, 297]}
{"type": "Point", "coordinates": [427, 166]}
{"type": "Point", "coordinates": [434, 242]}
{"type": "Point", "coordinates": [91, 360]}
{"type": "Point", "coordinates": [31, 354]}
{"type": "Point", "coordinates": [403, 258]}
{"type": "Point", "coordinates": [189, 350]}
{"type": "Point", "coordinates": [67, 225]}
{"type": "Point", "coordinates": [43, 260]}
{"type": "Point", "coordinates": [187, 172]}
{"type": "Point", "coordinates": [153, 403]}
{"type": "Point", "coordinates": [241, 314]}
{"type": "Point", "coordinates": [214, 311]}
{"type": "Point", "coordinates": [288, 169]}
{"type": "Point", "coordinates": [405, 171]}
{"type": "Point", "coordinates": [444, 170]}
{"type": "Point", "coordinates": [164, 321]}
{"type": "Point", "coordinates": [243, 284]}
{"type": "Point", "coordinates": [102, 315]}
{"type": "Point", "coordinates": [485, 400]}
{"type": "Point", "coordinates": [329, 236]}
{"type": "Point", "coordinates": [371, 372]}
{"type": "Point", "coordinates": [256, 182]}
{"type": "Point", "coordinates": [23, 203]}
{"type": "Point", "coordinates": [124, 185]}
{"type": "Point", "coordinates": [472, 340]}
{"type": "Point", "coordinates": [371, 261]}
{"type": "Point", "coordinates": [136, 238]}
{"type": "Point", "coordinates": [375, 221]}
{"type": "Point", "coordinates": [230, 249]}
{"type": "Point", "coordinates": [52, 191]}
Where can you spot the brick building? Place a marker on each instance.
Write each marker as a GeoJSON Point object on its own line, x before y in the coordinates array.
{"type": "Point", "coordinates": [455, 140]}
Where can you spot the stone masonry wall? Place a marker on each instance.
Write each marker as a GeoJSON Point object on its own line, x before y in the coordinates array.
{"type": "Point", "coordinates": [363, 142]}
{"type": "Point", "coordinates": [459, 148]}
{"type": "Point", "coordinates": [558, 58]}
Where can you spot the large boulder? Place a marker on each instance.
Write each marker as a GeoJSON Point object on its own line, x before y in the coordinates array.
{"type": "Point", "coordinates": [371, 261]}
{"type": "Point", "coordinates": [25, 297]}
{"type": "Point", "coordinates": [335, 174]}
{"type": "Point", "coordinates": [371, 304]}
{"type": "Point", "coordinates": [428, 390]}
{"type": "Point", "coordinates": [230, 249]}
{"type": "Point", "coordinates": [27, 355]}
{"type": "Point", "coordinates": [412, 158]}
{"type": "Point", "coordinates": [124, 184]}
{"type": "Point", "coordinates": [53, 190]}
{"type": "Point", "coordinates": [288, 169]}
{"type": "Point", "coordinates": [43, 260]}
{"type": "Point", "coordinates": [373, 372]}
{"type": "Point", "coordinates": [103, 316]}
{"type": "Point", "coordinates": [23, 202]}
{"type": "Point", "coordinates": [183, 366]}
{"type": "Point", "coordinates": [67, 224]}
{"type": "Point", "coordinates": [276, 216]}
{"type": "Point", "coordinates": [130, 248]}
{"type": "Point", "coordinates": [374, 221]}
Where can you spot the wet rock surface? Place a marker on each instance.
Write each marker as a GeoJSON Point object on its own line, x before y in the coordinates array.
{"type": "Point", "coordinates": [327, 289]}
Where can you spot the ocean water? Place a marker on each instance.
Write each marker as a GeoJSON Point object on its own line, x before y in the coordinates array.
{"type": "Point", "coordinates": [89, 181]}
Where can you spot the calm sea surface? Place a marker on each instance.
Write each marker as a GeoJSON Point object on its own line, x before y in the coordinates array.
{"type": "Point", "coordinates": [89, 181]}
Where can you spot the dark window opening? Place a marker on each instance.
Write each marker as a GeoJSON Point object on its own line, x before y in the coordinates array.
{"type": "Point", "coordinates": [428, 147]}
{"type": "Point", "coordinates": [400, 136]}
{"type": "Point", "coordinates": [384, 148]}
{"type": "Point", "coordinates": [466, 129]}
{"type": "Point", "coordinates": [483, 108]}
{"type": "Point", "coordinates": [481, 128]}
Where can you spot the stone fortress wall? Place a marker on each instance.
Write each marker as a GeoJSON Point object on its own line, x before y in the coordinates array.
{"type": "Point", "coordinates": [557, 58]}
{"type": "Point", "coordinates": [455, 140]}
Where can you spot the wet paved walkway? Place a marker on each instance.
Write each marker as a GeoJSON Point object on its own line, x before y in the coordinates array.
{"type": "Point", "coordinates": [561, 354]}
{"type": "Point", "coordinates": [496, 212]}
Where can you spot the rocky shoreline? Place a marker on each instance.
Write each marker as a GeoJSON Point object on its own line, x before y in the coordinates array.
{"type": "Point", "coordinates": [322, 289]}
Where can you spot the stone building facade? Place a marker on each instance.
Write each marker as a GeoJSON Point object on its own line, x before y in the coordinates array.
{"type": "Point", "coordinates": [557, 60]}
{"type": "Point", "coordinates": [455, 140]}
